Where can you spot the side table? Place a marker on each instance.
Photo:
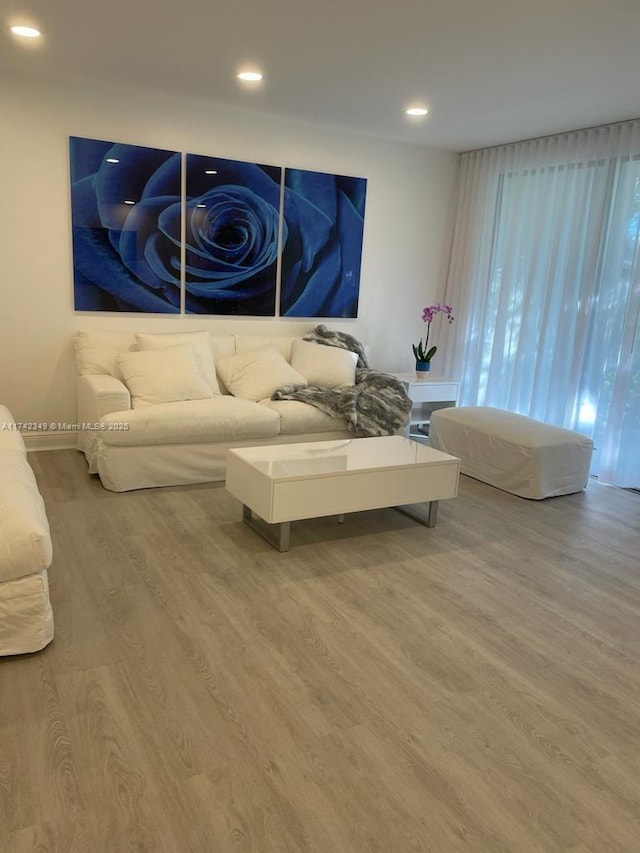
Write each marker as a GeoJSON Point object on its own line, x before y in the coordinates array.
{"type": "Point", "coordinates": [427, 395]}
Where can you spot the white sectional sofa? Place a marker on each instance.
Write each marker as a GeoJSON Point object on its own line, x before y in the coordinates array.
{"type": "Point", "coordinates": [26, 618]}
{"type": "Point", "coordinates": [154, 410]}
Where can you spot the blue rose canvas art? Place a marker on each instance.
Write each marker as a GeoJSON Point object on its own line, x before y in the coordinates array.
{"type": "Point", "coordinates": [125, 211]}
{"type": "Point", "coordinates": [231, 239]}
{"type": "Point", "coordinates": [322, 244]}
{"type": "Point", "coordinates": [256, 240]}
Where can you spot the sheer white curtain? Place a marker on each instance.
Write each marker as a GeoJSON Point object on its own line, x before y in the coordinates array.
{"type": "Point", "coordinates": [545, 279]}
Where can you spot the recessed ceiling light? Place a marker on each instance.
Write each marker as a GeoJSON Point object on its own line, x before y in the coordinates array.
{"type": "Point", "coordinates": [201, 205]}
{"type": "Point", "coordinates": [25, 32]}
{"type": "Point", "coordinates": [129, 202]}
{"type": "Point", "coordinates": [417, 111]}
{"type": "Point", "coordinates": [210, 172]}
{"type": "Point", "coordinates": [250, 76]}
{"type": "Point", "coordinates": [112, 160]}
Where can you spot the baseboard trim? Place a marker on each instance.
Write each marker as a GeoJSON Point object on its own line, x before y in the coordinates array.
{"type": "Point", "coordinates": [62, 440]}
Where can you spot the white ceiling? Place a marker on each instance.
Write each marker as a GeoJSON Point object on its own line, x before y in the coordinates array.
{"type": "Point", "coordinates": [490, 71]}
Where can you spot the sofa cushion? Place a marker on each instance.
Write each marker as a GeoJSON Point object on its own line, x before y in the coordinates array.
{"type": "Point", "coordinates": [223, 345]}
{"type": "Point", "coordinates": [201, 343]}
{"type": "Point", "coordinates": [26, 618]}
{"type": "Point", "coordinates": [282, 343]}
{"type": "Point", "coordinates": [25, 541]}
{"type": "Point", "coordinates": [97, 352]}
{"type": "Point", "coordinates": [324, 366]}
{"type": "Point", "coordinates": [298, 418]}
{"type": "Point", "coordinates": [220, 418]}
{"type": "Point", "coordinates": [256, 373]}
{"type": "Point", "coordinates": [167, 375]}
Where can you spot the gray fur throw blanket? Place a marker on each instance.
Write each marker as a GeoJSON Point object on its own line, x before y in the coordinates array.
{"type": "Point", "coordinates": [376, 405]}
{"type": "Point", "coordinates": [322, 335]}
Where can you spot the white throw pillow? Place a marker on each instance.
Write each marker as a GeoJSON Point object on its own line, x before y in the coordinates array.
{"type": "Point", "coordinates": [323, 366]}
{"type": "Point", "coordinates": [201, 343]}
{"type": "Point", "coordinates": [97, 352]}
{"type": "Point", "coordinates": [166, 375]}
{"type": "Point", "coordinates": [257, 373]}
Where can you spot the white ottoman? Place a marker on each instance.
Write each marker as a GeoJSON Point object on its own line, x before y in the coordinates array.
{"type": "Point", "coordinates": [512, 452]}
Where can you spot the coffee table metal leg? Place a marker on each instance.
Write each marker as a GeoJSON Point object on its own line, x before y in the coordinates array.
{"type": "Point", "coordinates": [284, 537]}
{"type": "Point", "coordinates": [428, 518]}
{"type": "Point", "coordinates": [278, 535]}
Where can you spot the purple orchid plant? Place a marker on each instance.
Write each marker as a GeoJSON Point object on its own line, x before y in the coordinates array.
{"type": "Point", "coordinates": [421, 350]}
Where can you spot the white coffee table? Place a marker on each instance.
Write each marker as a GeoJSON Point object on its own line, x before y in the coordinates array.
{"type": "Point", "coordinates": [286, 482]}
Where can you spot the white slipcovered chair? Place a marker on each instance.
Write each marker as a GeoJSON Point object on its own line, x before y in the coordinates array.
{"type": "Point", "coordinates": [26, 618]}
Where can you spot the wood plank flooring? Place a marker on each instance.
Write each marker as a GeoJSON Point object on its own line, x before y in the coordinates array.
{"type": "Point", "coordinates": [380, 688]}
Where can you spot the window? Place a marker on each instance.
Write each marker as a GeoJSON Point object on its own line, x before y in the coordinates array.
{"type": "Point", "coordinates": [545, 263]}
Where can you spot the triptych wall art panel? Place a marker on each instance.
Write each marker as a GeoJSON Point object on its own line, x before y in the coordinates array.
{"type": "Point", "coordinates": [258, 240]}
{"type": "Point", "coordinates": [322, 244]}
{"type": "Point", "coordinates": [125, 212]}
{"type": "Point", "coordinates": [231, 239]}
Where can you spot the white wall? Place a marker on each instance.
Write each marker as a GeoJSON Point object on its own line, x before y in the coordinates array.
{"type": "Point", "coordinates": [409, 198]}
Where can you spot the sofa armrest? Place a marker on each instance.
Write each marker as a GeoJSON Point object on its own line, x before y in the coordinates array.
{"type": "Point", "coordinates": [99, 395]}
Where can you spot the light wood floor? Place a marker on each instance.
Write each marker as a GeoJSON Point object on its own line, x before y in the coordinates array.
{"type": "Point", "coordinates": [382, 687]}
